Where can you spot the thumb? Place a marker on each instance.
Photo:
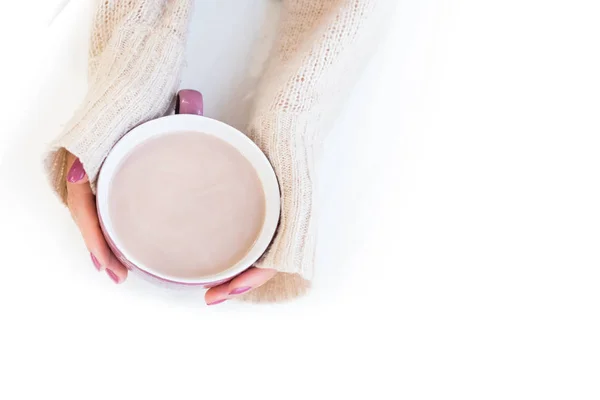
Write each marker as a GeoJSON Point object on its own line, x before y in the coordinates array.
{"type": "Point", "coordinates": [76, 172]}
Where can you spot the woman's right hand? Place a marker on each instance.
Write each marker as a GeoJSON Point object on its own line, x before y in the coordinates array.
{"type": "Point", "coordinates": [82, 204]}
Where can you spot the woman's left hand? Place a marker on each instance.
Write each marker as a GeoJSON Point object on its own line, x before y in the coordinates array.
{"type": "Point", "coordinates": [243, 283]}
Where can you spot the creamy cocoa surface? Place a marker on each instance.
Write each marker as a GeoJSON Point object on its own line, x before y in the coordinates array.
{"type": "Point", "coordinates": [186, 204]}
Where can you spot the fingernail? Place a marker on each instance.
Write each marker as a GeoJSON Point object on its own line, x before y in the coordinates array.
{"type": "Point", "coordinates": [240, 290]}
{"type": "Point", "coordinates": [112, 276]}
{"type": "Point", "coordinates": [96, 262]}
{"type": "Point", "coordinates": [216, 302]}
{"type": "Point", "coordinates": [76, 173]}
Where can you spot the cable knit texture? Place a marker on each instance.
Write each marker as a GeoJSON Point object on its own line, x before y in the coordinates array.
{"type": "Point", "coordinates": [135, 61]}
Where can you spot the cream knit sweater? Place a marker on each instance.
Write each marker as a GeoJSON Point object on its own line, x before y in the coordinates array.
{"type": "Point", "coordinates": [135, 61]}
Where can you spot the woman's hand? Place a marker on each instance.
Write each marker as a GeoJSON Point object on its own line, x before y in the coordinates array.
{"type": "Point", "coordinates": [82, 204]}
{"type": "Point", "coordinates": [244, 282]}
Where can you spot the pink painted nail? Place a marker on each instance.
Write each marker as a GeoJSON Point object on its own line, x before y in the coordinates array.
{"type": "Point", "coordinates": [240, 290]}
{"type": "Point", "coordinates": [216, 302]}
{"type": "Point", "coordinates": [76, 173]}
{"type": "Point", "coordinates": [96, 262]}
{"type": "Point", "coordinates": [112, 276]}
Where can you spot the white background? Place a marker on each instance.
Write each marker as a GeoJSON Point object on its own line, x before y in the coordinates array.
{"type": "Point", "coordinates": [458, 253]}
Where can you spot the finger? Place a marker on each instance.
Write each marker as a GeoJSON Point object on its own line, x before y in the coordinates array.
{"type": "Point", "coordinates": [76, 172]}
{"type": "Point", "coordinates": [250, 279]}
{"type": "Point", "coordinates": [82, 204]}
{"type": "Point", "coordinates": [217, 294]}
{"type": "Point", "coordinates": [83, 208]}
{"type": "Point", "coordinates": [246, 281]}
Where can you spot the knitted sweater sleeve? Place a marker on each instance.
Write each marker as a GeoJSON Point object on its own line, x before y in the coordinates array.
{"type": "Point", "coordinates": [135, 59]}
{"type": "Point", "coordinates": [322, 46]}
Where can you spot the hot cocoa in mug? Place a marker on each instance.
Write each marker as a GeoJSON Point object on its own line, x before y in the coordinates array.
{"type": "Point", "coordinates": [187, 200]}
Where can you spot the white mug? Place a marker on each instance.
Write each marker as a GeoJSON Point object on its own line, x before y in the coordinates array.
{"type": "Point", "coordinates": [189, 118]}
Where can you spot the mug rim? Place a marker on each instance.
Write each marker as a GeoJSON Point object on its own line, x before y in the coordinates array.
{"type": "Point", "coordinates": [200, 124]}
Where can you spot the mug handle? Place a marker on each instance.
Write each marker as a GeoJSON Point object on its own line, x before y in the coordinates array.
{"type": "Point", "coordinates": [189, 102]}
